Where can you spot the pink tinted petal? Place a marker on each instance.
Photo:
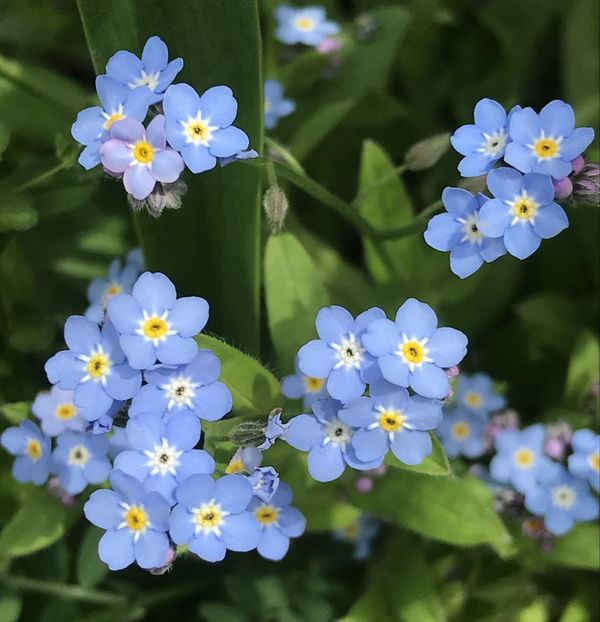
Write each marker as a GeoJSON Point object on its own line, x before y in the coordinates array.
{"type": "Point", "coordinates": [138, 181]}
{"type": "Point", "coordinates": [115, 156]}
{"type": "Point", "coordinates": [155, 132]}
{"type": "Point", "coordinates": [130, 130]}
{"type": "Point", "coordinates": [166, 166]}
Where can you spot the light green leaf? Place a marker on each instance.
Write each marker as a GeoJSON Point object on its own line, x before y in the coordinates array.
{"type": "Point", "coordinates": [294, 294]}
{"type": "Point", "coordinates": [435, 464]}
{"type": "Point", "coordinates": [90, 569]}
{"type": "Point", "coordinates": [10, 607]}
{"type": "Point", "coordinates": [16, 412]}
{"type": "Point", "coordinates": [537, 611]}
{"type": "Point", "coordinates": [575, 611]}
{"type": "Point", "coordinates": [580, 548]}
{"type": "Point", "coordinates": [583, 370]}
{"type": "Point", "coordinates": [4, 139]}
{"type": "Point", "coordinates": [17, 213]}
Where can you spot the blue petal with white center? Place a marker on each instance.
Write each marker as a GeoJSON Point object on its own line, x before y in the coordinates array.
{"type": "Point", "coordinates": [32, 449]}
{"type": "Point", "coordinates": [584, 462]}
{"type": "Point", "coordinates": [307, 25]}
{"type": "Point", "coordinates": [462, 433]}
{"type": "Point", "coordinates": [276, 105]}
{"type": "Point", "coordinates": [477, 395]}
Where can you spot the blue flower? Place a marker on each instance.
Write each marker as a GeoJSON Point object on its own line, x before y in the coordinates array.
{"type": "Point", "coordinates": [119, 280]}
{"type": "Point", "coordinates": [104, 424]}
{"type": "Point", "coordinates": [276, 106]}
{"type": "Point", "coordinates": [57, 412]}
{"type": "Point", "coordinates": [584, 462]}
{"type": "Point", "coordinates": [154, 324]}
{"type": "Point", "coordinates": [307, 25]}
{"type": "Point", "coordinates": [462, 433]}
{"type": "Point", "coordinates": [278, 522]}
{"type": "Point", "coordinates": [244, 460]}
{"type": "Point", "coordinates": [561, 499]}
{"type": "Point", "coordinates": [93, 124]}
{"type": "Point", "coordinates": [32, 449]}
{"type": "Point", "coordinates": [339, 354]}
{"type": "Point", "coordinates": [136, 522]}
{"type": "Point", "coordinates": [118, 442]}
{"type": "Point", "coordinates": [185, 388]}
{"type": "Point", "coordinates": [483, 143]}
{"type": "Point", "coordinates": [328, 441]}
{"type": "Point", "coordinates": [523, 211]}
{"type": "Point", "coordinates": [476, 394]}
{"type": "Point", "coordinates": [362, 533]}
{"type": "Point", "coordinates": [162, 454]}
{"type": "Point", "coordinates": [458, 231]}
{"type": "Point", "coordinates": [546, 142]}
{"type": "Point", "coordinates": [299, 386]}
{"type": "Point", "coordinates": [413, 351]}
{"type": "Point", "coordinates": [154, 71]}
{"type": "Point", "coordinates": [212, 516]}
{"type": "Point", "coordinates": [200, 128]}
{"type": "Point", "coordinates": [275, 429]}
{"type": "Point", "coordinates": [248, 154]}
{"type": "Point", "coordinates": [94, 367]}
{"type": "Point", "coordinates": [79, 460]}
{"type": "Point", "coordinates": [520, 459]}
{"type": "Point", "coordinates": [265, 482]}
{"type": "Point", "coordinates": [390, 419]}
{"type": "Point", "coordinates": [135, 258]}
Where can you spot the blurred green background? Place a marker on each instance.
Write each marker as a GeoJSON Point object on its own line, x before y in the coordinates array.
{"type": "Point", "coordinates": [532, 325]}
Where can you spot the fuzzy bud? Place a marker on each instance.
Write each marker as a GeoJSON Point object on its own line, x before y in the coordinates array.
{"type": "Point", "coordinates": [586, 186]}
{"type": "Point", "coordinates": [164, 196]}
{"type": "Point", "coordinates": [426, 153]}
{"type": "Point", "coordinates": [364, 484]}
{"type": "Point", "coordinates": [248, 433]}
{"type": "Point", "coordinates": [276, 206]}
{"type": "Point", "coordinates": [168, 562]}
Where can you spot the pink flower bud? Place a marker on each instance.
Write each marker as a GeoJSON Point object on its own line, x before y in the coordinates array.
{"type": "Point", "coordinates": [364, 484]}
{"type": "Point", "coordinates": [578, 163]}
{"type": "Point", "coordinates": [329, 45]}
{"type": "Point", "coordinates": [563, 188]}
{"type": "Point", "coordinates": [453, 371]}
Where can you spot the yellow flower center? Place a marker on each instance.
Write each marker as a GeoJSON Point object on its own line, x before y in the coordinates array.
{"type": "Point", "coordinates": [136, 518]}
{"type": "Point", "coordinates": [209, 516]}
{"type": "Point", "coordinates": [545, 148]}
{"type": "Point", "coordinates": [525, 208]}
{"type": "Point", "coordinates": [117, 116]}
{"type": "Point", "coordinates": [236, 466]}
{"type": "Point", "coordinates": [266, 514]}
{"type": "Point", "coordinates": [524, 458]}
{"type": "Point", "coordinates": [305, 23]}
{"type": "Point", "coordinates": [113, 289]}
{"type": "Point", "coordinates": [473, 399]}
{"type": "Point", "coordinates": [143, 152]}
{"type": "Point", "coordinates": [98, 365]}
{"type": "Point", "coordinates": [313, 385]}
{"type": "Point", "coordinates": [65, 411]}
{"type": "Point", "coordinates": [391, 420]}
{"type": "Point", "coordinates": [34, 449]}
{"type": "Point", "coordinates": [461, 430]}
{"type": "Point", "coordinates": [413, 352]}
{"type": "Point", "coordinates": [198, 131]}
{"type": "Point", "coordinates": [595, 461]}
{"type": "Point", "coordinates": [155, 328]}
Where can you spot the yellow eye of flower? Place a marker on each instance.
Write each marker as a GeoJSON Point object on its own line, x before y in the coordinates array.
{"type": "Point", "coordinates": [473, 399]}
{"type": "Point", "coordinates": [545, 148]}
{"type": "Point", "coordinates": [209, 516]}
{"type": "Point", "coordinates": [525, 208]}
{"type": "Point", "coordinates": [266, 514]}
{"type": "Point", "coordinates": [155, 328]}
{"type": "Point", "coordinates": [65, 411]}
{"type": "Point", "coordinates": [98, 365]}
{"type": "Point", "coordinates": [237, 466]}
{"type": "Point", "coordinates": [524, 458]}
{"type": "Point", "coordinates": [143, 152]}
{"type": "Point", "coordinates": [413, 352]}
{"type": "Point", "coordinates": [117, 116]}
{"type": "Point", "coordinates": [595, 461]}
{"type": "Point", "coordinates": [391, 420]}
{"type": "Point", "coordinates": [199, 131]}
{"type": "Point", "coordinates": [34, 449]}
{"type": "Point", "coordinates": [461, 430]}
{"type": "Point", "coordinates": [136, 518]}
{"type": "Point", "coordinates": [113, 289]}
{"type": "Point", "coordinates": [313, 385]}
{"type": "Point", "coordinates": [305, 23]}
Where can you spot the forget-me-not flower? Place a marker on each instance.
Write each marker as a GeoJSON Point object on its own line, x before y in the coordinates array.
{"type": "Point", "coordinates": [200, 127]}
{"type": "Point", "coordinates": [339, 355]}
{"type": "Point", "coordinates": [265, 482]}
{"type": "Point", "coordinates": [457, 231]}
{"type": "Point", "coordinates": [413, 351]}
{"type": "Point", "coordinates": [154, 324]}
{"type": "Point", "coordinates": [584, 462]}
{"type": "Point", "coordinates": [32, 449]}
{"type": "Point", "coordinates": [361, 533]}
{"type": "Point", "coordinates": [244, 460]}
{"type": "Point", "coordinates": [523, 212]}
{"type": "Point", "coordinates": [546, 142]}
{"type": "Point", "coordinates": [276, 105]}
{"type": "Point", "coordinates": [154, 71]}
{"type": "Point", "coordinates": [476, 393]}
{"type": "Point", "coordinates": [299, 385]}
{"type": "Point", "coordinates": [462, 433]}
{"type": "Point", "coordinates": [274, 429]}
{"type": "Point", "coordinates": [57, 412]}
{"type": "Point", "coordinates": [136, 523]}
{"type": "Point", "coordinates": [308, 25]}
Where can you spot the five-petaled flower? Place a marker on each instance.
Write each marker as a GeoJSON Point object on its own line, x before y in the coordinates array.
{"type": "Point", "coordinates": [462, 433]}
{"type": "Point", "coordinates": [476, 393]}
{"type": "Point", "coordinates": [276, 105]}
{"type": "Point", "coordinates": [57, 412]}
{"type": "Point", "coordinates": [300, 385]}
{"type": "Point", "coordinates": [584, 462]}
{"type": "Point", "coordinates": [32, 449]}
{"type": "Point", "coordinates": [308, 25]}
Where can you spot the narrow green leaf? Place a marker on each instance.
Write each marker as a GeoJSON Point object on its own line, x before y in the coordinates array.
{"type": "Point", "coordinates": [435, 464]}
{"type": "Point", "coordinates": [294, 294]}
{"type": "Point", "coordinates": [4, 139]}
{"type": "Point", "coordinates": [90, 569]}
{"type": "Point", "coordinates": [220, 44]}
{"type": "Point", "coordinates": [583, 369]}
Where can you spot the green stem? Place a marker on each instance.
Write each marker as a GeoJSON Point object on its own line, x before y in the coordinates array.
{"type": "Point", "coordinates": [62, 590]}
{"type": "Point", "coordinates": [169, 593]}
{"type": "Point", "coordinates": [42, 178]}
{"type": "Point", "coordinates": [417, 223]}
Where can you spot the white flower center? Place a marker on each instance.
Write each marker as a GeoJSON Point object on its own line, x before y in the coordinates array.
{"type": "Point", "coordinates": [164, 458]}
{"type": "Point", "coordinates": [79, 456]}
{"type": "Point", "coordinates": [350, 352]}
{"type": "Point", "coordinates": [563, 496]}
{"type": "Point", "coordinates": [338, 433]}
{"type": "Point", "coordinates": [180, 391]}
{"type": "Point", "coordinates": [470, 229]}
{"type": "Point", "coordinates": [146, 79]}
{"type": "Point", "coordinates": [494, 144]}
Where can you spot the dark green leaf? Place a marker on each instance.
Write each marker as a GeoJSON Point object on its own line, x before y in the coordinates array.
{"type": "Point", "coordinates": [90, 569]}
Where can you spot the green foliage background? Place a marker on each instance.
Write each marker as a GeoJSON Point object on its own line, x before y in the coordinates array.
{"type": "Point", "coordinates": [444, 553]}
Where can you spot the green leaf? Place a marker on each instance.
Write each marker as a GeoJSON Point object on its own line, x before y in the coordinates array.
{"type": "Point", "coordinates": [435, 464]}
{"type": "Point", "coordinates": [4, 139]}
{"type": "Point", "coordinates": [90, 569]}
{"type": "Point", "coordinates": [537, 611]}
{"type": "Point", "coordinates": [16, 412]}
{"type": "Point", "coordinates": [580, 548]}
{"type": "Point", "coordinates": [38, 523]}
{"type": "Point", "coordinates": [210, 247]}
{"type": "Point", "coordinates": [294, 294]}
{"type": "Point", "coordinates": [583, 369]}
{"type": "Point", "coordinates": [217, 612]}
{"type": "Point", "coordinates": [457, 511]}
{"type": "Point", "coordinates": [10, 607]}
{"type": "Point", "coordinates": [254, 388]}
{"type": "Point", "coordinates": [17, 214]}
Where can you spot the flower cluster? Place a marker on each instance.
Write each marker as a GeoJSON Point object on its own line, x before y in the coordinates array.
{"type": "Point", "coordinates": [185, 129]}
{"type": "Point", "coordinates": [542, 150]}
{"type": "Point", "coordinates": [403, 363]}
{"type": "Point", "coordinates": [133, 359]}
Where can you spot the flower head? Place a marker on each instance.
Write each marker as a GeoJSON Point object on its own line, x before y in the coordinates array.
{"type": "Point", "coordinates": [136, 522]}
{"type": "Point", "coordinates": [339, 355]}
{"type": "Point", "coordinates": [299, 386]}
{"type": "Point", "coordinates": [162, 454]}
{"type": "Point", "coordinates": [79, 460]}
{"type": "Point", "coordinates": [244, 460]}
{"type": "Point", "coordinates": [306, 25]}
{"type": "Point", "coordinates": [561, 499]}
{"type": "Point", "coordinates": [458, 231]}
{"type": "Point", "coordinates": [584, 462]}
{"type": "Point", "coordinates": [141, 155]}
{"type": "Point", "coordinates": [484, 142]}
{"type": "Point", "coordinates": [462, 433]}
{"type": "Point", "coordinates": [154, 324]}
{"type": "Point", "coordinates": [153, 70]}
{"type": "Point", "coordinates": [94, 367]}
{"type": "Point", "coordinates": [361, 533]}
{"type": "Point", "coordinates": [200, 127]}
{"type": "Point", "coordinates": [274, 429]}
{"type": "Point", "coordinates": [265, 482]}
{"type": "Point", "coordinates": [546, 142]}
{"type": "Point", "coordinates": [57, 412]}
{"type": "Point", "coordinates": [32, 449]}
{"type": "Point", "coordinates": [212, 516]}
{"type": "Point", "coordinates": [327, 439]}
{"type": "Point", "coordinates": [117, 102]}
{"type": "Point", "coordinates": [276, 106]}
{"type": "Point", "coordinates": [477, 395]}
{"type": "Point", "coordinates": [523, 212]}
{"type": "Point", "coordinates": [278, 522]}
{"type": "Point", "coordinates": [391, 420]}
{"type": "Point", "coordinates": [413, 351]}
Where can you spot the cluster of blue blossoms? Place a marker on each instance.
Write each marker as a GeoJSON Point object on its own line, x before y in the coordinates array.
{"type": "Point", "coordinates": [133, 360]}
{"type": "Point", "coordinates": [541, 151]}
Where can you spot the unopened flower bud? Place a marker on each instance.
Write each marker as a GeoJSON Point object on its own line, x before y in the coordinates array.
{"type": "Point", "coordinates": [168, 562]}
{"type": "Point", "coordinates": [56, 491]}
{"type": "Point", "coordinates": [164, 196]}
{"type": "Point", "coordinates": [329, 45]}
{"type": "Point", "coordinates": [563, 188]}
{"type": "Point", "coordinates": [364, 484]}
{"type": "Point", "coordinates": [248, 433]}
{"type": "Point", "coordinates": [558, 436]}
{"type": "Point", "coordinates": [276, 205]}
{"type": "Point", "coordinates": [427, 152]}
{"type": "Point", "coordinates": [366, 26]}
{"type": "Point", "coordinates": [586, 185]}
{"type": "Point", "coordinates": [578, 163]}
